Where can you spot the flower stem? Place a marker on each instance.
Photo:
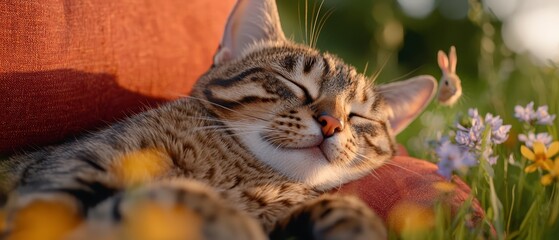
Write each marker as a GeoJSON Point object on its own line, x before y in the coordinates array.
{"type": "Point", "coordinates": [554, 205]}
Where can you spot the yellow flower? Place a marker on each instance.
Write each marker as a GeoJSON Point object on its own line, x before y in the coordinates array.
{"type": "Point", "coordinates": [444, 186]}
{"type": "Point", "coordinates": [553, 173]}
{"type": "Point", "coordinates": [540, 156]}
{"type": "Point", "coordinates": [410, 217]}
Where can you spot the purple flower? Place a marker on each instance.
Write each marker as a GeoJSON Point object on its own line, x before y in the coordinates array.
{"type": "Point", "coordinates": [501, 134]}
{"type": "Point", "coordinates": [488, 154]}
{"type": "Point", "coordinates": [471, 137]}
{"type": "Point", "coordinates": [453, 157]}
{"type": "Point", "coordinates": [543, 117]}
{"type": "Point", "coordinates": [529, 140]}
{"type": "Point", "coordinates": [524, 114]}
{"type": "Point", "coordinates": [527, 114]}
{"type": "Point", "coordinates": [473, 113]}
{"type": "Point", "coordinates": [494, 121]}
{"type": "Point", "coordinates": [464, 138]}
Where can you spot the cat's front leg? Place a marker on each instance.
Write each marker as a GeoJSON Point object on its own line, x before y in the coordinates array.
{"type": "Point", "coordinates": [170, 209]}
{"type": "Point", "coordinates": [51, 207]}
{"type": "Point", "coordinates": [331, 217]}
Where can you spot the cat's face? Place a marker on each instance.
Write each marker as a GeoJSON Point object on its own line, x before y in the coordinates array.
{"type": "Point", "coordinates": [304, 113]}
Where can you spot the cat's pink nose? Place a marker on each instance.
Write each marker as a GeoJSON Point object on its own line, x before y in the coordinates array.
{"type": "Point", "coordinates": [330, 125]}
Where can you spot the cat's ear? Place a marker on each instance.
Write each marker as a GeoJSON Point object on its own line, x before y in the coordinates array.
{"type": "Point", "coordinates": [249, 22]}
{"type": "Point", "coordinates": [407, 99]}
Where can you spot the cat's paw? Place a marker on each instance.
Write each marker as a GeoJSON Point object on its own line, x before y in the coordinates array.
{"type": "Point", "coordinates": [332, 217]}
{"type": "Point", "coordinates": [345, 218]}
{"type": "Point", "coordinates": [40, 216]}
{"type": "Point", "coordinates": [179, 209]}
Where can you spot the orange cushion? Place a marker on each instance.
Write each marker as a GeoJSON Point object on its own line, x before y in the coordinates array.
{"type": "Point", "coordinates": [405, 185]}
{"type": "Point", "coordinates": [71, 66]}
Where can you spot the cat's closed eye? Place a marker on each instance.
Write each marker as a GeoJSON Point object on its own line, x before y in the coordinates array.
{"type": "Point", "coordinates": [299, 90]}
{"type": "Point", "coordinates": [356, 115]}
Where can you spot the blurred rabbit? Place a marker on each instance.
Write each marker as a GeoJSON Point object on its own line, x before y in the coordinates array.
{"type": "Point", "coordinates": [450, 88]}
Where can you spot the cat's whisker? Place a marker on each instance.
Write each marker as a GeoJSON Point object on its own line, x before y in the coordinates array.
{"type": "Point", "coordinates": [374, 174]}
{"type": "Point", "coordinates": [259, 109]}
{"type": "Point", "coordinates": [239, 131]}
{"type": "Point", "coordinates": [379, 70]}
{"type": "Point", "coordinates": [366, 68]}
{"type": "Point", "coordinates": [405, 75]}
{"type": "Point", "coordinates": [242, 133]}
{"type": "Point", "coordinates": [372, 171]}
{"type": "Point", "coordinates": [224, 107]}
{"type": "Point", "coordinates": [224, 122]}
{"type": "Point", "coordinates": [306, 21]}
{"type": "Point", "coordinates": [230, 124]}
{"type": "Point", "coordinates": [233, 124]}
{"type": "Point", "coordinates": [275, 139]}
{"type": "Point", "coordinates": [390, 163]}
{"type": "Point", "coordinates": [323, 21]}
{"type": "Point", "coordinates": [210, 119]}
{"type": "Point", "coordinates": [386, 90]}
{"type": "Point", "coordinates": [299, 19]}
{"type": "Point", "coordinates": [314, 20]}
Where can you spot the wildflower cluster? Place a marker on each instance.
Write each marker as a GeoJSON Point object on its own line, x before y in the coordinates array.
{"type": "Point", "coordinates": [453, 157]}
{"type": "Point", "coordinates": [538, 148]}
{"type": "Point", "coordinates": [531, 138]}
{"type": "Point", "coordinates": [528, 115]}
{"type": "Point", "coordinates": [470, 143]}
{"type": "Point", "coordinates": [470, 150]}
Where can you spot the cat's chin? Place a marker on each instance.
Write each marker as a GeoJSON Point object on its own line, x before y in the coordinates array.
{"type": "Point", "coordinates": [313, 153]}
{"type": "Point", "coordinates": [308, 165]}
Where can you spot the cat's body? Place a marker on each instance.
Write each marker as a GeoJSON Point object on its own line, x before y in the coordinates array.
{"type": "Point", "coordinates": [269, 129]}
{"type": "Point", "coordinates": [212, 157]}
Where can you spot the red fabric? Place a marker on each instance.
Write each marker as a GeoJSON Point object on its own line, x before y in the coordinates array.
{"type": "Point", "coordinates": [70, 66]}
{"type": "Point", "coordinates": [407, 180]}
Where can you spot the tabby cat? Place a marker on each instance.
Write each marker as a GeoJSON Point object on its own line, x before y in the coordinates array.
{"type": "Point", "coordinates": [251, 154]}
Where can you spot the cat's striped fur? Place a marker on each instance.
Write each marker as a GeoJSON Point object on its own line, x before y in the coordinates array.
{"type": "Point", "coordinates": [248, 144]}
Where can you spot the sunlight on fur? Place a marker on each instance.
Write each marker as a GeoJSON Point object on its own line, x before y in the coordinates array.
{"type": "Point", "coordinates": [152, 221]}
{"type": "Point", "coordinates": [140, 166]}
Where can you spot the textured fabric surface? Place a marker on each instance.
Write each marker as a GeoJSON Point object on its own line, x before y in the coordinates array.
{"type": "Point", "coordinates": [71, 66]}
{"type": "Point", "coordinates": [408, 183]}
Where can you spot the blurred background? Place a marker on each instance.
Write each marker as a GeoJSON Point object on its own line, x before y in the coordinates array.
{"type": "Point", "coordinates": [508, 50]}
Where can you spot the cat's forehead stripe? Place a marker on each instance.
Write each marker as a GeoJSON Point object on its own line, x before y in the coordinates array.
{"type": "Point", "coordinates": [375, 103]}
{"type": "Point", "coordinates": [308, 64]}
{"type": "Point", "coordinates": [362, 91]}
{"type": "Point", "coordinates": [232, 92]}
{"type": "Point", "coordinates": [288, 62]}
{"type": "Point", "coordinates": [303, 69]}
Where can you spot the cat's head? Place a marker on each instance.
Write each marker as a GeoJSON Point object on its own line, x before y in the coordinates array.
{"type": "Point", "coordinates": [302, 112]}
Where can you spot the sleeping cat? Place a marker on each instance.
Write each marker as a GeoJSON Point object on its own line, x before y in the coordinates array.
{"type": "Point", "coordinates": [266, 132]}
